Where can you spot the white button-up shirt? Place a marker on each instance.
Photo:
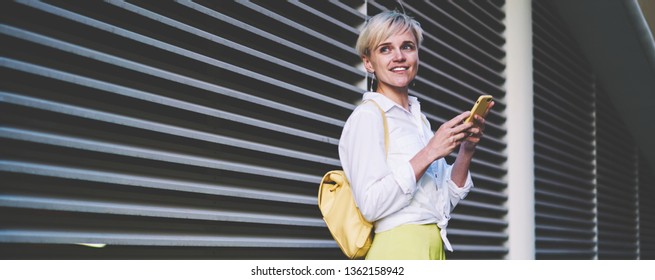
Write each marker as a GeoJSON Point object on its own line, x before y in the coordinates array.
{"type": "Point", "coordinates": [384, 186]}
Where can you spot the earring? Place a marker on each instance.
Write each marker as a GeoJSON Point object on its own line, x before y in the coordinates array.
{"type": "Point", "coordinates": [370, 87]}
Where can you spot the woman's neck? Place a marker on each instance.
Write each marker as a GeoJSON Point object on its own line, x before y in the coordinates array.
{"type": "Point", "coordinates": [400, 95]}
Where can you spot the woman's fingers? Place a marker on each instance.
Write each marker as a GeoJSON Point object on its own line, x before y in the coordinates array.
{"type": "Point", "coordinates": [461, 136]}
{"type": "Point", "coordinates": [457, 120]}
{"type": "Point", "coordinates": [489, 108]}
{"type": "Point", "coordinates": [463, 127]}
{"type": "Point", "coordinates": [476, 131]}
{"type": "Point", "coordinates": [480, 122]}
{"type": "Point", "coordinates": [455, 131]}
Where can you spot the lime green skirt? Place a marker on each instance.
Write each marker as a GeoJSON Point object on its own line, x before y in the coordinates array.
{"type": "Point", "coordinates": [408, 242]}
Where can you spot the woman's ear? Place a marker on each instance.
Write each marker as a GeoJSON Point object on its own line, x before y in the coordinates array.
{"type": "Point", "coordinates": [367, 64]}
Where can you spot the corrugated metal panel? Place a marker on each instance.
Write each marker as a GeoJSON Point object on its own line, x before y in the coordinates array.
{"type": "Point", "coordinates": [564, 142]}
{"type": "Point", "coordinates": [588, 188]}
{"type": "Point", "coordinates": [462, 57]}
{"type": "Point", "coordinates": [200, 129]}
{"type": "Point", "coordinates": [617, 184]}
{"type": "Point", "coordinates": [646, 211]}
{"type": "Point", "coordinates": [172, 129]}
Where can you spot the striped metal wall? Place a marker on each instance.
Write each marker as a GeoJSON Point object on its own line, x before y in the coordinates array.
{"type": "Point", "coordinates": [172, 129]}
{"type": "Point", "coordinates": [564, 105]}
{"type": "Point", "coordinates": [591, 188]}
{"type": "Point", "coordinates": [646, 227]}
{"type": "Point", "coordinates": [617, 184]}
{"type": "Point", "coordinates": [200, 129]}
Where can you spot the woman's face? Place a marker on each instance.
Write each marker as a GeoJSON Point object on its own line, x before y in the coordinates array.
{"type": "Point", "coordinates": [394, 61]}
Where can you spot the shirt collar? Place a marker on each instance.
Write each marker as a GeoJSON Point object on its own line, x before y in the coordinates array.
{"type": "Point", "coordinates": [387, 103]}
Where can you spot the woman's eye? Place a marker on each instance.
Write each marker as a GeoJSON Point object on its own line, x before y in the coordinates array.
{"type": "Point", "coordinates": [408, 47]}
{"type": "Point", "coordinates": [384, 49]}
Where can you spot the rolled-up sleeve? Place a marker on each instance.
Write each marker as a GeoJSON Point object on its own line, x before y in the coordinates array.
{"type": "Point", "coordinates": [405, 176]}
{"type": "Point", "coordinates": [455, 193]}
{"type": "Point", "coordinates": [378, 189]}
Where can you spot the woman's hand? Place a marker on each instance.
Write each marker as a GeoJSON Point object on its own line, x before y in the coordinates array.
{"type": "Point", "coordinates": [449, 135]}
{"type": "Point", "coordinates": [476, 131]}
{"type": "Point", "coordinates": [463, 161]}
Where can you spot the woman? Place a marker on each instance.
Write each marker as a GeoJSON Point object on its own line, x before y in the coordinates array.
{"type": "Point", "coordinates": [409, 190]}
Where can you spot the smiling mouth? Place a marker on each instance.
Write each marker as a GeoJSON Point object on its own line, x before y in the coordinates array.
{"type": "Point", "coordinates": [399, 69]}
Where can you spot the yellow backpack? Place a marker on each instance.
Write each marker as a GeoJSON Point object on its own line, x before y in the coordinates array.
{"type": "Point", "coordinates": [352, 232]}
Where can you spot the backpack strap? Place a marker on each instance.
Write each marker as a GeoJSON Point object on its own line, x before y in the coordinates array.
{"type": "Point", "coordinates": [386, 128]}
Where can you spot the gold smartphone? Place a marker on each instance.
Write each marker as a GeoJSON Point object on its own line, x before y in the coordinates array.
{"type": "Point", "coordinates": [480, 107]}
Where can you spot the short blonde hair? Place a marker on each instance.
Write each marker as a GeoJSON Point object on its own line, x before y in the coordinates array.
{"type": "Point", "coordinates": [382, 26]}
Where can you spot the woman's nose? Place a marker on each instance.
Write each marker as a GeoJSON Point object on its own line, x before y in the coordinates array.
{"type": "Point", "coordinates": [398, 55]}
